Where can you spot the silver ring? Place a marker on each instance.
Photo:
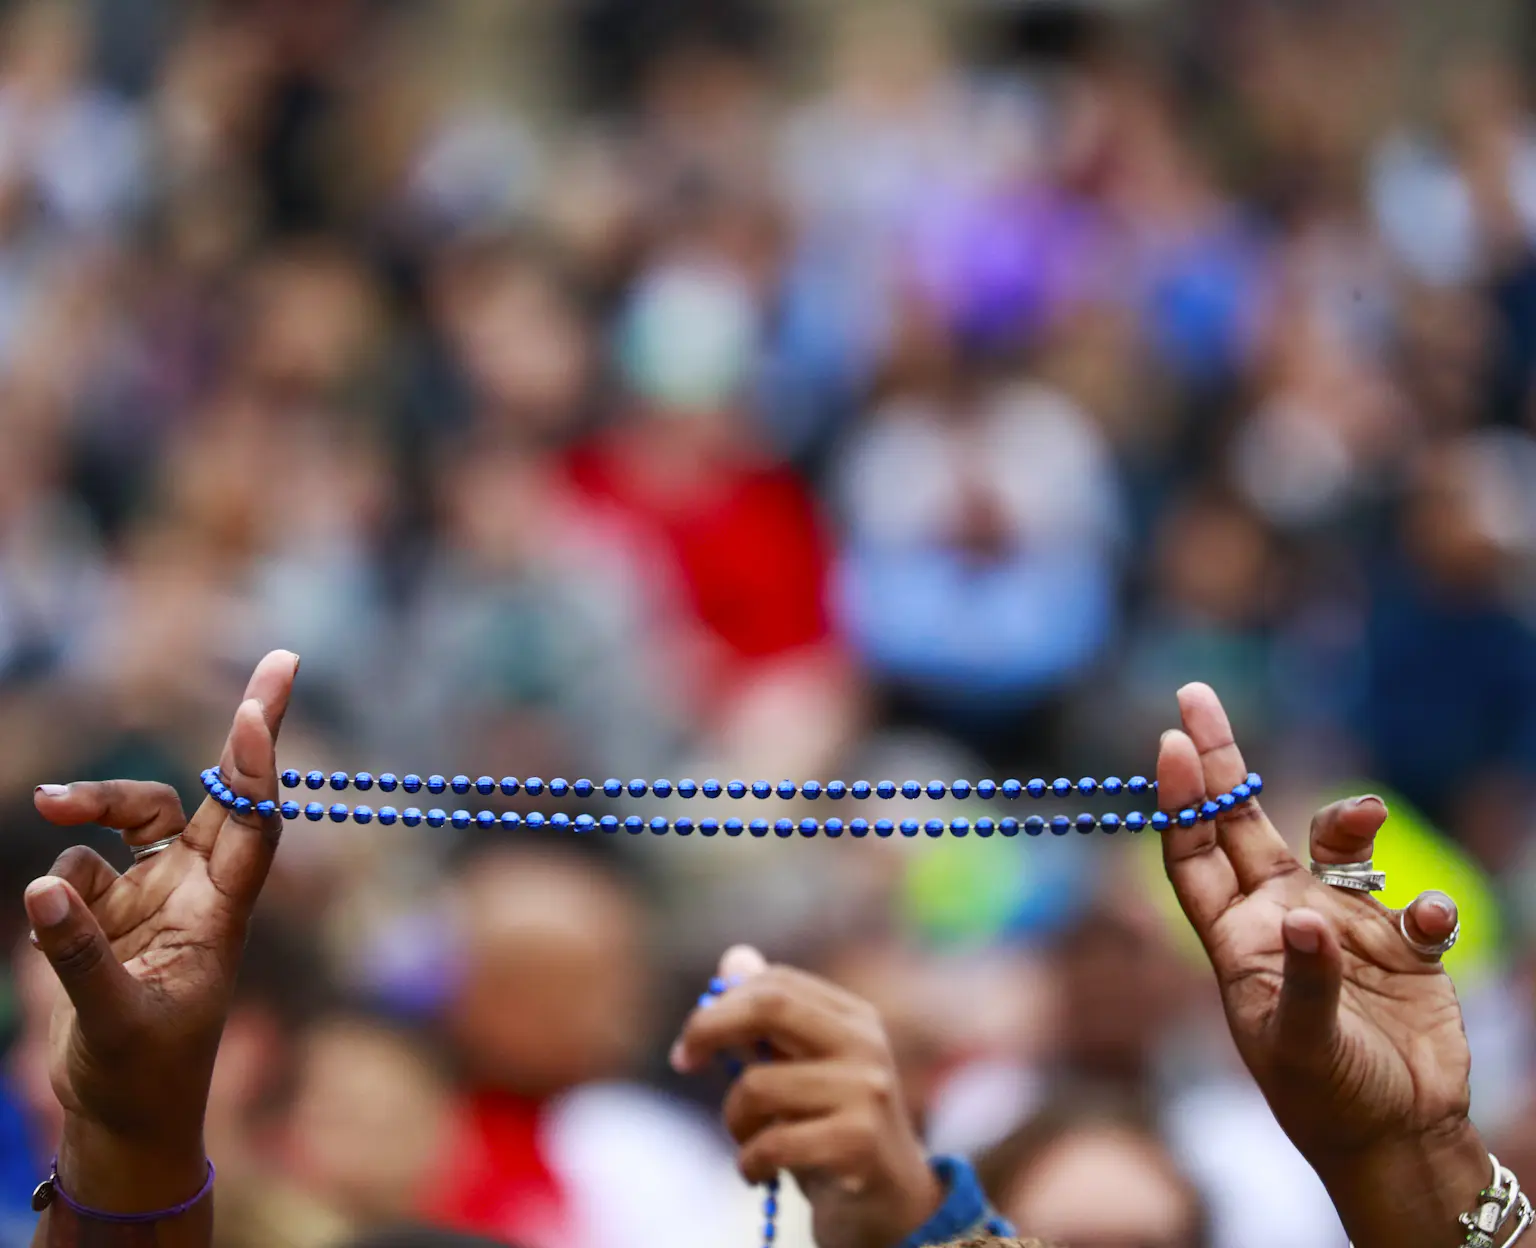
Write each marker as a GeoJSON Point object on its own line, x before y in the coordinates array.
{"type": "Point", "coordinates": [1357, 877]}
{"type": "Point", "coordinates": [141, 852]}
{"type": "Point", "coordinates": [1432, 952]}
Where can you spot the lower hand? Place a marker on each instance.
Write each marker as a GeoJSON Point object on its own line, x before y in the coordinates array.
{"type": "Point", "coordinates": [827, 1107]}
{"type": "Point", "coordinates": [147, 960]}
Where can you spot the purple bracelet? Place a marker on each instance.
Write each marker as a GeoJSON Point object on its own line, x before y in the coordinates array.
{"type": "Point", "coordinates": [49, 1190]}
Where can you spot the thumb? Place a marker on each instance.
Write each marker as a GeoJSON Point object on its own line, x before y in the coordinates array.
{"type": "Point", "coordinates": [74, 944]}
{"type": "Point", "coordinates": [1307, 1016]}
{"type": "Point", "coordinates": [741, 962]}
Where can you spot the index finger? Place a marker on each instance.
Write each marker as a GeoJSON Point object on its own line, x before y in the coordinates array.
{"type": "Point", "coordinates": [142, 810]}
{"type": "Point", "coordinates": [799, 1015]}
{"type": "Point", "coordinates": [1256, 850]}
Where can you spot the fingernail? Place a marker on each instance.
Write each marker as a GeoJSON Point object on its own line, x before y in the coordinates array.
{"type": "Point", "coordinates": [47, 901]}
{"type": "Point", "coordinates": [53, 790]}
{"type": "Point", "coordinates": [1302, 939]}
{"type": "Point", "coordinates": [1369, 797]}
{"type": "Point", "coordinates": [1441, 903]}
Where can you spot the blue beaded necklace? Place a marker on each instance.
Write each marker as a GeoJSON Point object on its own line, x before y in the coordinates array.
{"type": "Point", "coordinates": [762, 790]}
{"type": "Point", "coordinates": [784, 790]}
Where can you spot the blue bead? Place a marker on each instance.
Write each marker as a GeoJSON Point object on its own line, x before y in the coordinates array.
{"type": "Point", "coordinates": [609, 823]}
{"type": "Point", "coordinates": [959, 826]}
{"type": "Point", "coordinates": [1012, 789]}
{"type": "Point", "coordinates": [388, 815]}
{"type": "Point", "coordinates": [661, 788]}
{"type": "Point", "coordinates": [1037, 787]}
{"type": "Point", "coordinates": [768, 1232]}
{"type": "Point", "coordinates": [436, 817]}
{"type": "Point", "coordinates": [810, 790]}
{"type": "Point", "coordinates": [363, 780]}
{"type": "Point", "coordinates": [389, 782]}
{"type": "Point", "coordinates": [786, 790]}
{"type": "Point", "coordinates": [717, 985]}
{"type": "Point", "coordinates": [710, 788]}
{"type": "Point", "coordinates": [1136, 786]}
{"type": "Point", "coordinates": [911, 790]}
{"type": "Point", "coordinates": [486, 819]}
{"type": "Point", "coordinates": [1061, 786]}
{"type": "Point", "coordinates": [290, 810]}
{"type": "Point", "coordinates": [910, 827]}
{"type": "Point", "coordinates": [1241, 792]}
{"type": "Point", "coordinates": [1087, 785]}
{"type": "Point", "coordinates": [1209, 811]}
{"type": "Point", "coordinates": [936, 790]}
{"type": "Point", "coordinates": [559, 787]}
{"type": "Point", "coordinates": [985, 827]}
{"type": "Point", "coordinates": [633, 824]}
{"type": "Point", "coordinates": [784, 827]}
{"type": "Point", "coordinates": [559, 821]}
{"type": "Point", "coordinates": [687, 788]}
{"type": "Point", "coordinates": [485, 785]}
{"type": "Point", "coordinates": [758, 827]}
{"type": "Point", "coordinates": [340, 780]}
{"type": "Point", "coordinates": [1160, 821]}
{"type": "Point", "coordinates": [858, 827]}
{"type": "Point", "coordinates": [1008, 826]}
{"type": "Point", "coordinates": [460, 784]}
{"type": "Point", "coordinates": [436, 784]}
{"type": "Point", "coordinates": [1226, 802]}
{"type": "Point", "coordinates": [1060, 825]}
{"type": "Point", "coordinates": [733, 827]}
{"type": "Point", "coordinates": [1086, 823]}
{"type": "Point", "coordinates": [314, 780]}
{"type": "Point", "coordinates": [1110, 823]}
{"type": "Point", "coordinates": [986, 789]}
{"type": "Point", "coordinates": [533, 786]}
{"type": "Point", "coordinates": [861, 789]}
{"type": "Point", "coordinates": [1135, 821]}
{"type": "Point", "coordinates": [511, 819]}
{"type": "Point", "coordinates": [934, 827]}
{"type": "Point", "coordinates": [961, 788]}
{"type": "Point", "coordinates": [1188, 817]}
{"type": "Point", "coordinates": [1255, 782]}
{"type": "Point", "coordinates": [884, 827]}
{"type": "Point", "coordinates": [411, 816]}
{"type": "Point", "coordinates": [585, 823]}
{"type": "Point", "coordinates": [736, 788]}
{"type": "Point", "coordinates": [836, 789]}
{"type": "Point", "coordinates": [314, 812]}
{"type": "Point", "coordinates": [885, 790]}
{"type": "Point", "coordinates": [266, 809]}
{"type": "Point", "coordinates": [241, 805]}
{"type": "Point", "coordinates": [809, 827]}
{"type": "Point", "coordinates": [709, 827]}
{"type": "Point", "coordinates": [582, 788]}
{"type": "Point", "coordinates": [770, 1205]}
{"type": "Point", "coordinates": [534, 819]}
{"type": "Point", "coordinates": [612, 788]}
{"type": "Point", "coordinates": [338, 813]}
{"type": "Point", "coordinates": [290, 778]}
{"type": "Point", "coordinates": [762, 789]}
{"type": "Point", "coordinates": [461, 819]}
{"type": "Point", "coordinates": [1113, 785]}
{"type": "Point", "coordinates": [411, 783]}
{"type": "Point", "coordinates": [1034, 825]}
{"type": "Point", "coordinates": [363, 814]}
{"type": "Point", "coordinates": [683, 827]}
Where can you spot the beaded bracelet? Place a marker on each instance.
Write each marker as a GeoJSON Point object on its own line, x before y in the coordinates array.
{"type": "Point", "coordinates": [785, 790]}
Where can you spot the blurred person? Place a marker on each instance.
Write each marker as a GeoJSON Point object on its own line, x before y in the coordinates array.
{"type": "Point", "coordinates": [547, 1017]}
{"type": "Point", "coordinates": [1038, 1175]}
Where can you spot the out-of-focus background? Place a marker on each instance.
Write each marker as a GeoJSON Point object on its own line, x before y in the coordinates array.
{"type": "Point", "coordinates": [859, 390]}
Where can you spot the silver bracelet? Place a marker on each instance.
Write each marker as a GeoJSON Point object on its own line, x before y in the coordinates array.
{"type": "Point", "coordinates": [1496, 1203]}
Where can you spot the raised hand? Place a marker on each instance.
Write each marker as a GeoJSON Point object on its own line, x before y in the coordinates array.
{"type": "Point", "coordinates": [147, 960]}
{"type": "Point", "coordinates": [827, 1109]}
{"type": "Point", "coordinates": [1355, 1038]}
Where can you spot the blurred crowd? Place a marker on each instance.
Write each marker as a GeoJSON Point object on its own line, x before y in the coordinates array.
{"type": "Point", "coordinates": [836, 394]}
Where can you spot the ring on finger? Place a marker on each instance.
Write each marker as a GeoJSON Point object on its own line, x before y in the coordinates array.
{"type": "Point", "coordinates": [1356, 877]}
{"type": "Point", "coordinates": [1434, 952]}
{"type": "Point", "coordinates": [141, 852]}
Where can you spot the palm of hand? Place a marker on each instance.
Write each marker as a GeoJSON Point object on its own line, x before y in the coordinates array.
{"type": "Point", "coordinates": [1401, 1063]}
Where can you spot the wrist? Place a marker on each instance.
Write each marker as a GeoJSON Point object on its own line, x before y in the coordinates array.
{"type": "Point", "coordinates": [102, 1170]}
{"type": "Point", "coordinates": [1409, 1192]}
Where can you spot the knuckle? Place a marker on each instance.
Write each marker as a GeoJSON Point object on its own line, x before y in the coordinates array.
{"type": "Point", "coordinates": [879, 1085]}
{"type": "Point", "coordinates": [773, 1002]}
{"type": "Point", "coordinates": [79, 955]}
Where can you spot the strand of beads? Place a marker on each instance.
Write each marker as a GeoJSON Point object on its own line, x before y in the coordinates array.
{"type": "Point", "coordinates": [985, 826]}
{"type": "Point", "coordinates": [717, 989]}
